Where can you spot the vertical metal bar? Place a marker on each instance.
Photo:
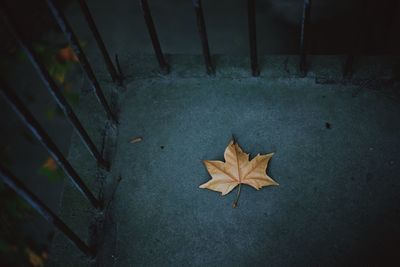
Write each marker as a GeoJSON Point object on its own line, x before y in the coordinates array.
{"type": "Point", "coordinates": [203, 36]}
{"type": "Point", "coordinates": [119, 67]}
{"type": "Point", "coordinates": [348, 66]}
{"type": "Point", "coordinates": [153, 35]}
{"type": "Point", "coordinates": [92, 25]}
{"type": "Point", "coordinates": [251, 9]}
{"type": "Point", "coordinates": [391, 8]}
{"type": "Point", "coordinates": [73, 39]}
{"type": "Point", "coordinates": [359, 33]}
{"type": "Point", "coordinates": [15, 184]}
{"type": "Point", "coordinates": [38, 131]}
{"type": "Point", "coordinates": [53, 88]}
{"type": "Point", "coordinates": [305, 21]}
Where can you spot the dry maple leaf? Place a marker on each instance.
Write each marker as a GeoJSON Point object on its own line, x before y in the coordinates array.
{"type": "Point", "coordinates": [237, 170]}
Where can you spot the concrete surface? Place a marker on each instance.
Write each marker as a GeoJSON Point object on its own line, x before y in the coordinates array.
{"type": "Point", "coordinates": [76, 210]}
{"type": "Point", "coordinates": [337, 163]}
{"type": "Point", "coordinates": [337, 185]}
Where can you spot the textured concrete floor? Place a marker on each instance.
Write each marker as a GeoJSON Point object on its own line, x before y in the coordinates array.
{"type": "Point", "coordinates": [337, 203]}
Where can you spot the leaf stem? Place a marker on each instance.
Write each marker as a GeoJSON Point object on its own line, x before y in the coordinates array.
{"type": "Point", "coordinates": [237, 196]}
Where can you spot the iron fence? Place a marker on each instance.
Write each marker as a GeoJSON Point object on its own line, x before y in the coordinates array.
{"type": "Point", "coordinates": [39, 132]}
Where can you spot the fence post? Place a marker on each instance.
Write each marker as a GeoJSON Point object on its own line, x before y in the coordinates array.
{"type": "Point", "coordinates": [100, 43]}
{"type": "Point", "coordinates": [305, 24]}
{"type": "Point", "coordinates": [203, 36]}
{"type": "Point", "coordinates": [52, 87]}
{"type": "Point", "coordinates": [73, 39]}
{"type": "Point", "coordinates": [14, 183]}
{"type": "Point", "coordinates": [251, 10]}
{"type": "Point", "coordinates": [153, 36]}
{"type": "Point", "coordinates": [38, 131]}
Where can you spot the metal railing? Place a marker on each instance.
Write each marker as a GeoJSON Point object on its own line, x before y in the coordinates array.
{"type": "Point", "coordinates": [37, 130]}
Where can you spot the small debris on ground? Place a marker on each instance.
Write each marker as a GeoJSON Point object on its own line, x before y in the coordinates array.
{"type": "Point", "coordinates": [328, 125]}
{"type": "Point", "coordinates": [136, 139]}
